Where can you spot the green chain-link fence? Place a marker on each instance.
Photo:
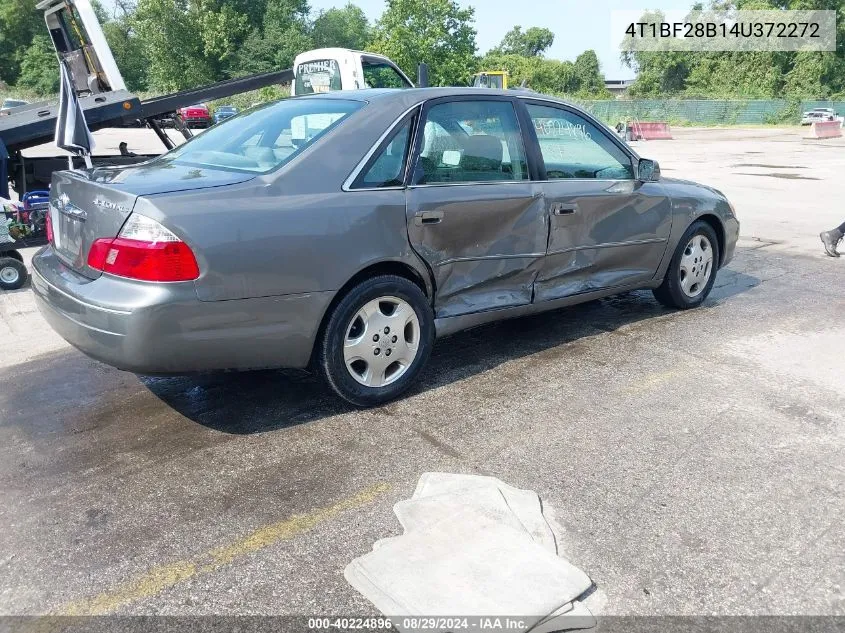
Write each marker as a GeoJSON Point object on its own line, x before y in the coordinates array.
{"type": "Point", "coordinates": [707, 112]}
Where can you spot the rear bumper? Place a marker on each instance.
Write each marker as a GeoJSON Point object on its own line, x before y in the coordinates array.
{"type": "Point", "coordinates": [164, 329]}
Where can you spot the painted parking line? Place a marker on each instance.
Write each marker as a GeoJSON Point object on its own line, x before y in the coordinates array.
{"type": "Point", "coordinates": [159, 578]}
{"type": "Point", "coordinates": [647, 382]}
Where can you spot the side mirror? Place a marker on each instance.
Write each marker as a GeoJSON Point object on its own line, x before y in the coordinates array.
{"type": "Point", "coordinates": [648, 170]}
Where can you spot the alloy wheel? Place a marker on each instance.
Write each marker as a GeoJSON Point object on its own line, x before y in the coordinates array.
{"type": "Point", "coordinates": [382, 341]}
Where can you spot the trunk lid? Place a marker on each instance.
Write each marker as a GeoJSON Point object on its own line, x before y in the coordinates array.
{"type": "Point", "coordinates": [88, 205]}
{"type": "Point", "coordinates": [81, 211]}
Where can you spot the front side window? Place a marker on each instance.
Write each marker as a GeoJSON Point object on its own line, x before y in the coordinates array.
{"type": "Point", "coordinates": [381, 75]}
{"type": "Point", "coordinates": [265, 137]}
{"type": "Point", "coordinates": [318, 76]}
{"type": "Point", "coordinates": [388, 167]}
{"type": "Point", "coordinates": [572, 147]}
{"type": "Point", "coordinates": [471, 141]}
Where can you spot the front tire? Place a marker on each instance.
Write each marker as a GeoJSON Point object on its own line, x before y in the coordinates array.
{"type": "Point", "coordinates": [692, 271]}
{"type": "Point", "coordinates": [376, 341]}
{"type": "Point", "coordinates": [13, 273]}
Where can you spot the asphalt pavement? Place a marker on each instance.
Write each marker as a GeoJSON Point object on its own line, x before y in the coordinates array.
{"type": "Point", "coordinates": [694, 459]}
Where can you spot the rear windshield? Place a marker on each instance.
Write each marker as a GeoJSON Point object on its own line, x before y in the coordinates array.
{"type": "Point", "coordinates": [264, 138]}
{"type": "Point", "coordinates": [320, 75]}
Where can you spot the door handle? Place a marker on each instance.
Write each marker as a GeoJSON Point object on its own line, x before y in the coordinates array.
{"type": "Point", "coordinates": [560, 208]}
{"type": "Point", "coordinates": [428, 217]}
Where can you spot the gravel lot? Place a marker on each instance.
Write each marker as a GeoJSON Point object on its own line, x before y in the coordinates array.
{"type": "Point", "coordinates": [694, 460]}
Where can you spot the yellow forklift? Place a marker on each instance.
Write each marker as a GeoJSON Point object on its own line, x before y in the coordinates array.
{"type": "Point", "coordinates": [497, 79]}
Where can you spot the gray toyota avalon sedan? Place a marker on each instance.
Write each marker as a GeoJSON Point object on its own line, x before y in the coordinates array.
{"type": "Point", "coordinates": [346, 231]}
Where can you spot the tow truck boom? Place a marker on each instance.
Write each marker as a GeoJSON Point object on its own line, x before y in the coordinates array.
{"type": "Point", "coordinates": [79, 41]}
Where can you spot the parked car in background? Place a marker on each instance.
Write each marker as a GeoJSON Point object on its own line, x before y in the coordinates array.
{"type": "Point", "coordinates": [818, 114]}
{"type": "Point", "coordinates": [9, 104]}
{"type": "Point", "coordinates": [195, 115]}
{"type": "Point", "coordinates": [345, 231]}
{"type": "Point", "coordinates": [221, 113]}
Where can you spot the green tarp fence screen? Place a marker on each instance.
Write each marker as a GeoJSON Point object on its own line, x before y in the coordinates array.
{"type": "Point", "coordinates": [707, 112]}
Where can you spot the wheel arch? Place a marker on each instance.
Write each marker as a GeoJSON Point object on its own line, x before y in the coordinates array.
{"type": "Point", "coordinates": [373, 269]}
{"type": "Point", "coordinates": [680, 226]}
{"type": "Point", "coordinates": [718, 228]}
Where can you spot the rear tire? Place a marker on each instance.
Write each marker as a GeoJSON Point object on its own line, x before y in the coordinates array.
{"type": "Point", "coordinates": [376, 341]}
{"type": "Point", "coordinates": [13, 274]}
{"type": "Point", "coordinates": [692, 271]}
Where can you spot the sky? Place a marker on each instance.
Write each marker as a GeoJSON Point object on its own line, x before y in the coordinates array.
{"type": "Point", "coordinates": [577, 24]}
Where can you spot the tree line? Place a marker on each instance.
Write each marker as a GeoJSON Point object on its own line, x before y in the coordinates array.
{"type": "Point", "coordinates": [168, 45]}
{"type": "Point", "coordinates": [746, 74]}
{"type": "Point", "coordinates": [164, 46]}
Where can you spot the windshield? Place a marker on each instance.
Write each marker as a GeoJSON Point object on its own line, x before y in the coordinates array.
{"type": "Point", "coordinates": [321, 75]}
{"type": "Point", "coordinates": [263, 138]}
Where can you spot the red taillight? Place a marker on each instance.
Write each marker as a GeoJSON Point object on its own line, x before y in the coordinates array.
{"type": "Point", "coordinates": [147, 261]}
{"type": "Point", "coordinates": [145, 250]}
{"type": "Point", "coordinates": [48, 225]}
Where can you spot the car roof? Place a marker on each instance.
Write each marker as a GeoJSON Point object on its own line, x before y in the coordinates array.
{"type": "Point", "coordinates": [423, 94]}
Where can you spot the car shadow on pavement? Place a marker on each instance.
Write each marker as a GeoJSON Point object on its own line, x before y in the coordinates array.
{"type": "Point", "coordinates": [262, 401]}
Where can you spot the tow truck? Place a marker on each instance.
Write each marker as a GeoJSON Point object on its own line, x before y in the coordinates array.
{"type": "Point", "coordinates": [80, 43]}
{"type": "Point", "coordinates": [327, 69]}
{"type": "Point", "coordinates": [79, 40]}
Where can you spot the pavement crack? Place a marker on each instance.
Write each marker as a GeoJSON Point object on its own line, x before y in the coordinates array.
{"type": "Point", "coordinates": [439, 444]}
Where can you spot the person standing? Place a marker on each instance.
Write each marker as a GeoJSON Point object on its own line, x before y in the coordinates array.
{"type": "Point", "coordinates": [831, 239]}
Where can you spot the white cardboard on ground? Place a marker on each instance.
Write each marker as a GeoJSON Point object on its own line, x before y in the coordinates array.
{"type": "Point", "coordinates": [525, 504]}
{"type": "Point", "coordinates": [463, 566]}
{"type": "Point", "coordinates": [569, 617]}
{"type": "Point", "coordinates": [422, 512]}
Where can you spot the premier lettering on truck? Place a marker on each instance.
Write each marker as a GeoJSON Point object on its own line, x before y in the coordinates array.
{"type": "Point", "coordinates": [329, 69]}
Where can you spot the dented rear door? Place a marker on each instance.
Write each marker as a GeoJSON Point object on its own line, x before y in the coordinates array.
{"type": "Point", "coordinates": [473, 213]}
{"type": "Point", "coordinates": [483, 243]}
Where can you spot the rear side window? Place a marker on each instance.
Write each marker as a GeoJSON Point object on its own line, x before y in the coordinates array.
{"type": "Point", "coordinates": [387, 168]}
{"type": "Point", "coordinates": [471, 141]}
{"type": "Point", "coordinates": [266, 137]}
